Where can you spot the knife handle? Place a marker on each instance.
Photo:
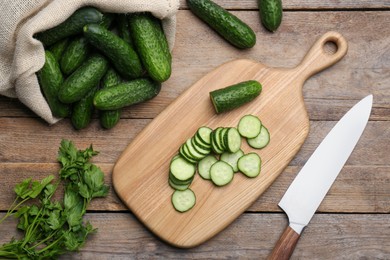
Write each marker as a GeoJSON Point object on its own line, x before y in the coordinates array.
{"type": "Point", "coordinates": [285, 246]}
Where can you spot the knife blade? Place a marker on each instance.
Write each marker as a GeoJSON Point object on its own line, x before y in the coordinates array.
{"type": "Point", "coordinates": [310, 186]}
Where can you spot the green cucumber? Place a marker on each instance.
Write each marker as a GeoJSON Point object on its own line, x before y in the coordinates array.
{"type": "Point", "coordinates": [75, 54]}
{"type": "Point", "coordinates": [221, 173]}
{"type": "Point", "coordinates": [162, 37]}
{"type": "Point", "coordinates": [119, 52]}
{"type": "Point", "coordinates": [126, 94]}
{"type": "Point", "coordinates": [109, 118]}
{"type": "Point", "coordinates": [108, 20]}
{"type": "Point", "coordinates": [82, 111]}
{"type": "Point", "coordinates": [51, 80]}
{"type": "Point", "coordinates": [58, 48]}
{"type": "Point", "coordinates": [223, 22]}
{"type": "Point", "coordinates": [234, 96]}
{"type": "Point", "coordinates": [271, 13]}
{"type": "Point", "coordinates": [250, 165]}
{"type": "Point", "coordinates": [123, 29]}
{"type": "Point", "coordinates": [85, 78]}
{"type": "Point", "coordinates": [71, 26]}
{"type": "Point", "coordinates": [249, 126]}
{"type": "Point", "coordinates": [261, 140]}
{"type": "Point", "coordinates": [150, 47]}
{"type": "Point", "coordinates": [183, 200]}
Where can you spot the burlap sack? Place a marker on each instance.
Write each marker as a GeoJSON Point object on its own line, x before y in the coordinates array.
{"type": "Point", "coordinates": [21, 56]}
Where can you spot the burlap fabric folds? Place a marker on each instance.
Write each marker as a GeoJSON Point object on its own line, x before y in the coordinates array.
{"type": "Point", "coordinates": [21, 56]}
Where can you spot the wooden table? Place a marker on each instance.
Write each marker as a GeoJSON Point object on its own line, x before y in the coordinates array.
{"type": "Point", "coordinates": [353, 222]}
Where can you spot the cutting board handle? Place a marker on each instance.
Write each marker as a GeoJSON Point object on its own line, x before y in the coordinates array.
{"type": "Point", "coordinates": [321, 56]}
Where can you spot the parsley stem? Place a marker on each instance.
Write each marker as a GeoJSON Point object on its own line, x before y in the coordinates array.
{"type": "Point", "coordinates": [12, 209]}
{"type": "Point", "coordinates": [51, 245]}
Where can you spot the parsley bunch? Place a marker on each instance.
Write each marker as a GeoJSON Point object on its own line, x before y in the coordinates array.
{"type": "Point", "coordinates": [51, 228]}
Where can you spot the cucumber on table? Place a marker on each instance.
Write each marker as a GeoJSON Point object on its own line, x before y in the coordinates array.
{"type": "Point", "coordinates": [271, 13]}
{"type": "Point", "coordinates": [223, 22]}
{"type": "Point", "coordinates": [51, 80]}
{"type": "Point", "coordinates": [120, 53]}
{"type": "Point", "coordinates": [126, 94]}
{"type": "Point", "coordinates": [150, 47]}
{"type": "Point", "coordinates": [85, 78]}
{"type": "Point", "coordinates": [71, 26]}
{"type": "Point", "coordinates": [234, 96]}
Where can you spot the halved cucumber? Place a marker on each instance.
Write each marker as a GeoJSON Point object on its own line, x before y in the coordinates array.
{"type": "Point", "coordinates": [232, 158]}
{"type": "Point", "coordinates": [261, 140]}
{"type": "Point", "coordinates": [183, 200]}
{"type": "Point", "coordinates": [249, 126]}
{"type": "Point", "coordinates": [250, 164]}
{"type": "Point", "coordinates": [205, 165]}
{"type": "Point", "coordinates": [181, 169]}
{"type": "Point", "coordinates": [221, 173]}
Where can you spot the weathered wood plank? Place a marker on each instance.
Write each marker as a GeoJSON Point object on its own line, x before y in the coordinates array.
{"type": "Point", "coordinates": [328, 95]}
{"type": "Point", "coordinates": [31, 140]}
{"type": "Point", "coordinates": [251, 236]}
{"type": "Point", "coordinates": [357, 189]}
{"type": "Point", "coordinates": [302, 5]}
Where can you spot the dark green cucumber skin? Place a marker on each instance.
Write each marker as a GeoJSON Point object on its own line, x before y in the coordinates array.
{"type": "Point", "coordinates": [85, 78]}
{"type": "Point", "coordinates": [50, 80]}
{"type": "Point", "coordinates": [82, 111]}
{"type": "Point", "coordinates": [109, 118]}
{"type": "Point", "coordinates": [123, 29]}
{"type": "Point", "coordinates": [75, 54]}
{"type": "Point", "coordinates": [234, 96]}
{"type": "Point", "coordinates": [108, 20]}
{"type": "Point", "coordinates": [271, 13]}
{"type": "Point", "coordinates": [71, 26]}
{"type": "Point", "coordinates": [149, 46]}
{"type": "Point", "coordinates": [126, 94]}
{"type": "Point", "coordinates": [119, 52]}
{"type": "Point", "coordinates": [230, 27]}
{"type": "Point", "coordinates": [162, 38]}
{"type": "Point", "coordinates": [58, 48]}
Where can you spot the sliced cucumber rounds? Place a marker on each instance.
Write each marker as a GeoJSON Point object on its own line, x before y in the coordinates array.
{"type": "Point", "coordinates": [183, 200]}
{"type": "Point", "coordinates": [216, 155]}
{"type": "Point", "coordinates": [250, 164]}
{"type": "Point", "coordinates": [249, 126]}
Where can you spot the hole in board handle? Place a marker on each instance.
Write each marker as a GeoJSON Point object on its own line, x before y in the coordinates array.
{"type": "Point", "coordinates": [330, 47]}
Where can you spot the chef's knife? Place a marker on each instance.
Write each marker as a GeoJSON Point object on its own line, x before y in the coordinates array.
{"type": "Point", "coordinates": [308, 189]}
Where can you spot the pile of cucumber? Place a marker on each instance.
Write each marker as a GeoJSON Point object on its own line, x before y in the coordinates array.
{"type": "Point", "coordinates": [102, 61]}
{"type": "Point", "coordinates": [216, 155]}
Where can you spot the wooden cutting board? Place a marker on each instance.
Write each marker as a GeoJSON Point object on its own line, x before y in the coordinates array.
{"type": "Point", "coordinates": [140, 176]}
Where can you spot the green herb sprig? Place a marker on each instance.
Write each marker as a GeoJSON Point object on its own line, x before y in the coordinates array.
{"type": "Point", "coordinates": [52, 228]}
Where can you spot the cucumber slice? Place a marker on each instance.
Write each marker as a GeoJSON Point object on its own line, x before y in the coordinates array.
{"type": "Point", "coordinates": [250, 164]}
{"type": "Point", "coordinates": [232, 158]}
{"type": "Point", "coordinates": [214, 146]}
{"type": "Point", "coordinates": [261, 140]}
{"type": "Point", "coordinates": [218, 139]}
{"type": "Point", "coordinates": [205, 165]}
{"type": "Point", "coordinates": [204, 134]}
{"type": "Point", "coordinates": [195, 155]}
{"type": "Point", "coordinates": [221, 173]}
{"type": "Point", "coordinates": [201, 143]}
{"type": "Point", "coordinates": [199, 148]}
{"type": "Point", "coordinates": [181, 169]}
{"type": "Point", "coordinates": [249, 126]}
{"type": "Point", "coordinates": [186, 155]}
{"type": "Point", "coordinates": [178, 186]}
{"type": "Point", "coordinates": [222, 135]}
{"type": "Point", "coordinates": [180, 182]}
{"type": "Point", "coordinates": [183, 200]}
{"type": "Point", "coordinates": [233, 140]}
